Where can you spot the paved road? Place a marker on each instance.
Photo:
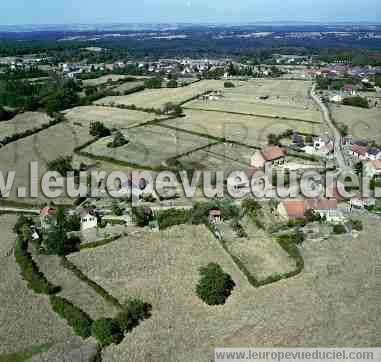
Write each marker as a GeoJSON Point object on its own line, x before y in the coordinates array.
{"type": "Point", "coordinates": [339, 155]}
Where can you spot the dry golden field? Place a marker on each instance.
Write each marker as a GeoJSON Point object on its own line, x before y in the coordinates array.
{"type": "Point", "coordinates": [111, 117]}
{"type": "Point", "coordinates": [333, 302]}
{"type": "Point", "coordinates": [45, 146]}
{"type": "Point", "coordinates": [23, 122]}
{"type": "Point", "coordinates": [363, 123]}
{"type": "Point", "coordinates": [219, 157]}
{"type": "Point", "coordinates": [156, 98]}
{"type": "Point", "coordinates": [261, 255]}
{"type": "Point", "coordinates": [250, 130]}
{"type": "Point", "coordinates": [148, 146]}
{"type": "Point", "coordinates": [104, 79]}
{"type": "Point", "coordinates": [26, 318]}
{"type": "Point", "coordinates": [287, 99]}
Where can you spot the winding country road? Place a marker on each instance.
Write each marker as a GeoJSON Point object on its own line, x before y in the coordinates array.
{"type": "Point", "coordinates": [338, 152]}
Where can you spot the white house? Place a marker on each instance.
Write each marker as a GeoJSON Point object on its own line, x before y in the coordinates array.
{"type": "Point", "coordinates": [337, 98]}
{"type": "Point", "coordinates": [89, 219]}
{"type": "Point", "coordinates": [373, 154]}
{"type": "Point", "coordinates": [373, 168]}
{"type": "Point", "coordinates": [360, 202]}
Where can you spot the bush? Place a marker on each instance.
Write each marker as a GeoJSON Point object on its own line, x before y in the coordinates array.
{"type": "Point", "coordinates": [107, 331]}
{"type": "Point", "coordinates": [118, 141]}
{"type": "Point", "coordinates": [153, 83]}
{"type": "Point", "coordinates": [356, 102]}
{"type": "Point", "coordinates": [75, 317]}
{"type": "Point", "coordinates": [98, 129]}
{"type": "Point", "coordinates": [229, 85]}
{"type": "Point", "coordinates": [135, 312]}
{"type": "Point", "coordinates": [30, 272]}
{"type": "Point", "coordinates": [62, 165]}
{"type": "Point", "coordinates": [339, 229]}
{"type": "Point", "coordinates": [171, 217]}
{"type": "Point", "coordinates": [172, 84]}
{"type": "Point", "coordinates": [215, 286]}
{"type": "Point", "coordinates": [357, 225]}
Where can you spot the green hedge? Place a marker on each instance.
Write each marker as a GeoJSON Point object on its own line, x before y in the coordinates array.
{"type": "Point", "coordinates": [30, 272]}
{"type": "Point", "coordinates": [75, 317]}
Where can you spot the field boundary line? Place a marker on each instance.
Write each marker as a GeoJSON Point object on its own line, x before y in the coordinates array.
{"type": "Point", "coordinates": [253, 115]}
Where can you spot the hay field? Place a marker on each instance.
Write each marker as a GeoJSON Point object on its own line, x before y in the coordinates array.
{"type": "Point", "coordinates": [104, 79]}
{"type": "Point", "coordinates": [148, 145]}
{"type": "Point", "coordinates": [219, 157]}
{"type": "Point", "coordinates": [362, 123]}
{"type": "Point", "coordinates": [250, 130]}
{"type": "Point", "coordinates": [23, 122]}
{"type": "Point", "coordinates": [111, 117]}
{"type": "Point", "coordinates": [333, 302]}
{"type": "Point", "coordinates": [286, 99]}
{"type": "Point", "coordinates": [45, 146]}
{"type": "Point", "coordinates": [26, 318]}
{"type": "Point", "coordinates": [260, 254]}
{"type": "Point", "coordinates": [156, 98]}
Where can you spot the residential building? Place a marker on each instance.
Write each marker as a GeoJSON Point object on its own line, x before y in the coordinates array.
{"type": "Point", "coordinates": [359, 151]}
{"type": "Point", "coordinates": [215, 216]}
{"type": "Point", "coordinates": [89, 219]}
{"type": "Point", "coordinates": [373, 168]}
{"type": "Point", "coordinates": [269, 155]}
{"type": "Point", "coordinates": [361, 202]}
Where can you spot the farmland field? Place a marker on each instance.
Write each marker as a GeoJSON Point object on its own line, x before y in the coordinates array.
{"type": "Point", "coordinates": [148, 146]}
{"type": "Point", "coordinates": [250, 130]}
{"type": "Point", "coordinates": [104, 79]}
{"type": "Point", "coordinates": [362, 123]}
{"type": "Point", "coordinates": [45, 146]}
{"type": "Point", "coordinates": [111, 117]}
{"type": "Point", "coordinates": [218, 157]}
{"type": "Point", "coordinates": [26, 318]}
{"type": "Point", "coordinates": [156, 98]}
{"type": "Point", "coordinates": [23, 122]}
{"type": "Point", "coordinates": [333, 302]}
{"type": "Point", "coordinates": [287, 99]}
{"type": "Point", "coordinates": [260, 254]}
{"type": "Point", "coordinates": [128, 86]}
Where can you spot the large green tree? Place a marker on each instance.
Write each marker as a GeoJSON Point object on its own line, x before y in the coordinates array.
{"type": "Point", "coordinates": [214, 286]}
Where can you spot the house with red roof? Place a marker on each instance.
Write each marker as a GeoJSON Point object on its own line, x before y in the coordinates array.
{"type": "Point", "coordinates": [48, 217]}
{"type": "Point", "coordinates": [269, 155]}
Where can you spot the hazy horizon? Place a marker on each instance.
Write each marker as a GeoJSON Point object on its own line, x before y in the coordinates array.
{"type": "Point", "coordinates": [71, 12]}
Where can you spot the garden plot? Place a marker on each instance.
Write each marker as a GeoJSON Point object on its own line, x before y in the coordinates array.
{"type": "Point", "coordinates": [246, 129]}
{"type": "Point", "coordinates": [262, 256]}
{"type": "Point", "coordinates": [111, 117]}
{"type": "Point", "coordinates": [44, 146]}
{"type": "Point", "coordinates": [26, 318]}
{"type": "Point", "coordinates": [23, 122]}
{"type": "Point", "coordinates": [219, 157]}
{"type": "Point", "coordinates": [362, 123]}
{"type": "Point", "coordinates": [157, 98]}
{"type": "Point", "coordinates": [148, 146]}
{"type": "Point", "coordinates": [290, 101]}
{"type": "Point", "coordinates": [333, 302]}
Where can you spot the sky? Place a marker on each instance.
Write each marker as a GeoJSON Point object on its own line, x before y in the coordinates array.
{"type": "Point", "coordinates": [17, 12]}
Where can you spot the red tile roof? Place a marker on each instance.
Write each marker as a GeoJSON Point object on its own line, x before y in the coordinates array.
{"type": "Point", "coordinates": [271, 153]}
{"type": "Point", "coordinates": [360, 150]}
{"type": "Point", "coordinates": [321, 204]}
{"type": "Point", "coordinates": [294, 208]}
{"type": "Point", "coordinates": [47, 211]}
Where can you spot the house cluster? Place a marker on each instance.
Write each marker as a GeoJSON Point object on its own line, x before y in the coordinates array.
{"type": "Point", "coordinates": [363, 152]}
{"type": "Point", "coordinates": [327, 209]}
{"type": "Point", "coordinates": [322, 146]}
{"type": "Point", "coordinates": [88, 217]}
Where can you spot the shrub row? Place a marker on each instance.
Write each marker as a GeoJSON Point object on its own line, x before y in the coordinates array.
{"type": "Point", "coordinates": [30, 272]}
{"type": "Point", "coordinates": [75, 317]}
